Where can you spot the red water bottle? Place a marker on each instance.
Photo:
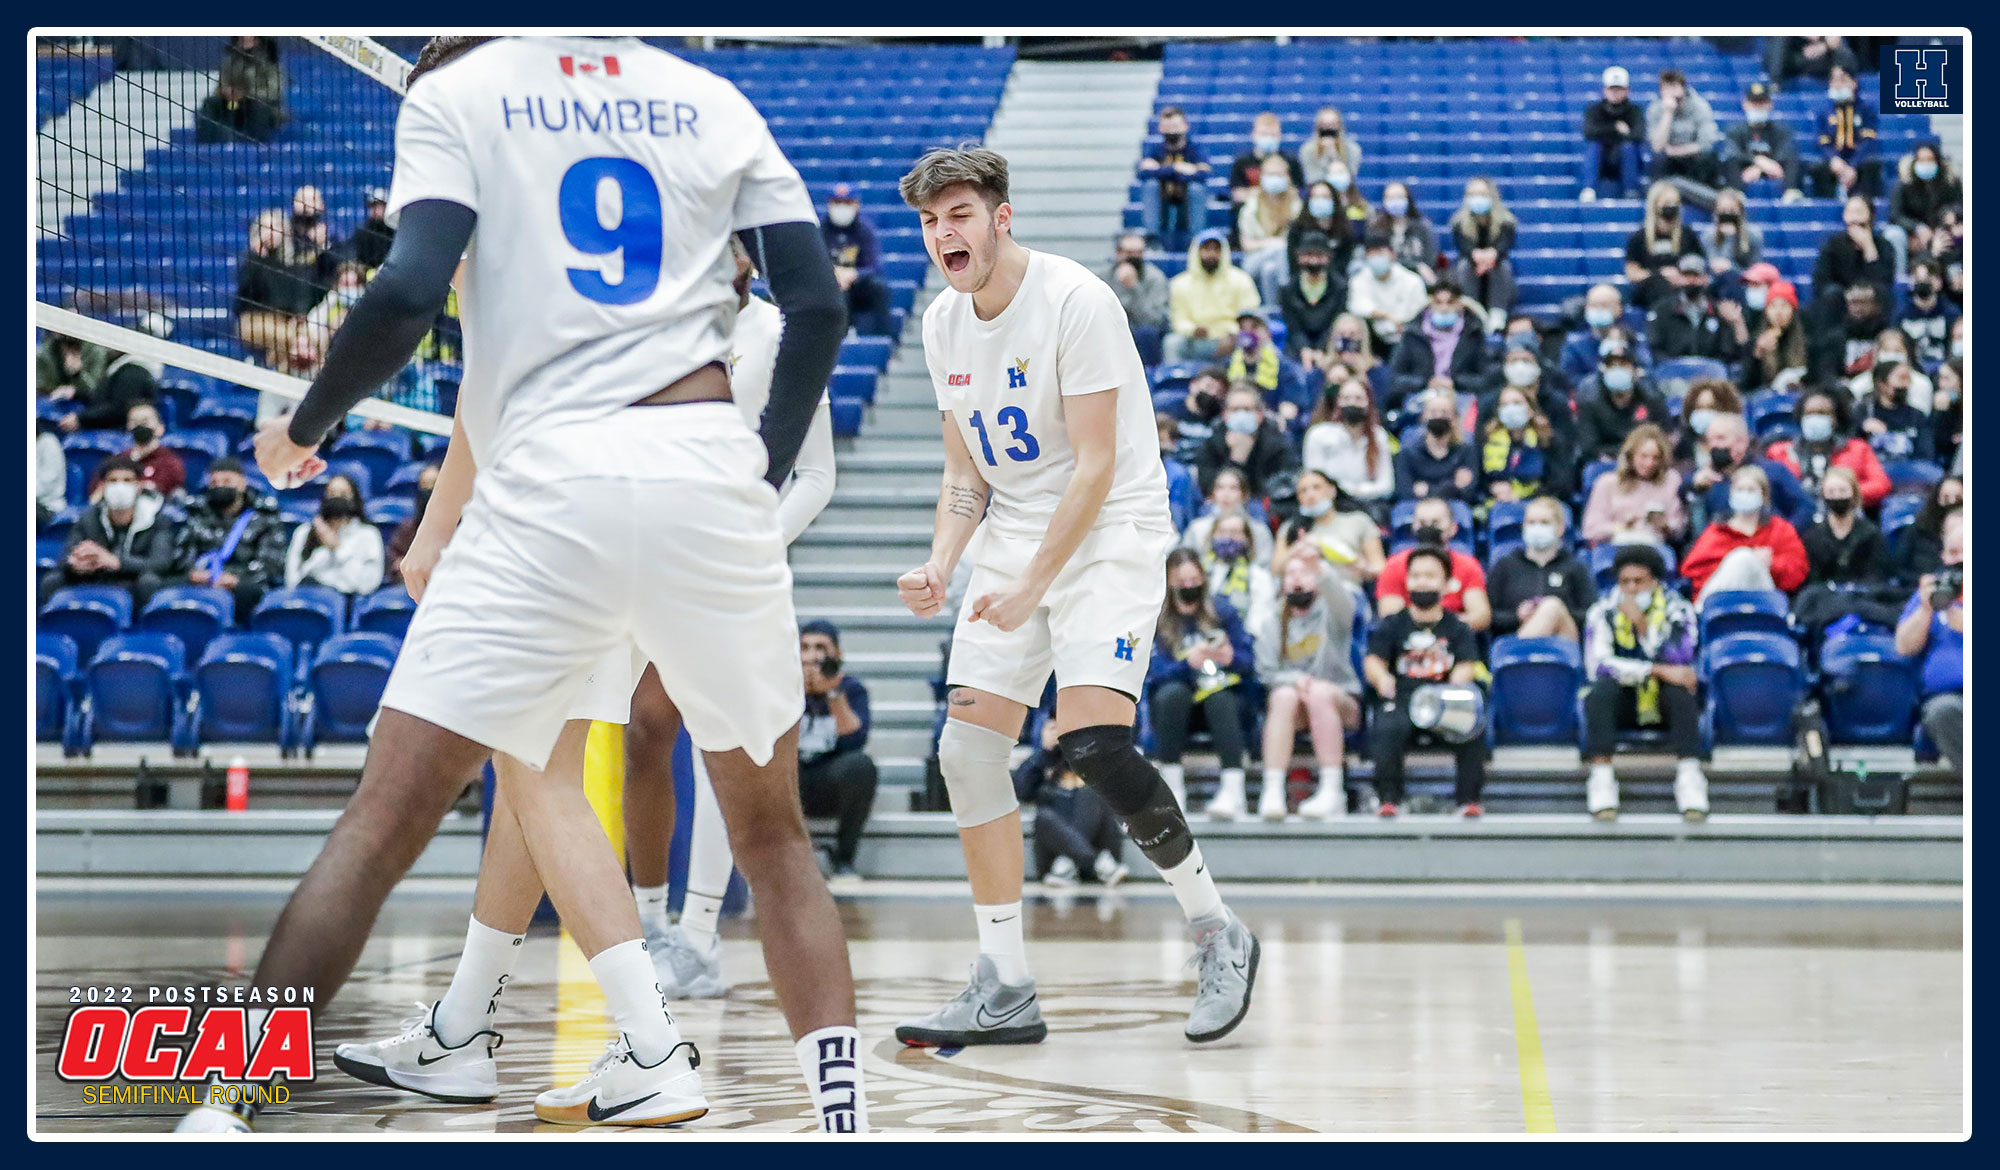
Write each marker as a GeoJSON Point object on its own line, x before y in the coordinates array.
{"type": "Point", "coordinates": [236, 785]}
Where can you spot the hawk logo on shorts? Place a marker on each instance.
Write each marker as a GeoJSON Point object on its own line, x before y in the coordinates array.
{"type": "Point", "coordinates": [1126, 646]}
{"type": "Point", "coordinates": [1017, 378]}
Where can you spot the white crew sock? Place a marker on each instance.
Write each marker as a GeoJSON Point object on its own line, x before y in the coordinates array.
{"type": "Point", "coordinates": [1273, 778]}
{"type": "Point", "coordinates": [652, 902]}
{"type": "Point", "coordinates": [710, 863]}
{"type": "Point", "coordinates": [831, 1059]}
{"type": "Point", "coordinates": [625, 974]}
{"type": "Point", "coordinates": [1332, 778]}
{"type": "Point", "coordinates": [468, 1004]}
{"type": "Point", "coordinates": [1176, 777]}
{"type": "Point", "coordinates": [1193, 886]}
{"type": "Point", "coordinates": [1601, 774]}
{"type": "Point", "coordinates": [1233, 778]}
{"type": "Point", "coordinates": [701, 915]}
{"type": "Point", "coordinates": [1000, 939]}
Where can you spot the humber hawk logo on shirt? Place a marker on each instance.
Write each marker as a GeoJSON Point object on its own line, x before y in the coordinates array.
{"type": "Point", "coordinates": [1017, 378]}
{"type": "Point", "coordinates": [1126, 645]}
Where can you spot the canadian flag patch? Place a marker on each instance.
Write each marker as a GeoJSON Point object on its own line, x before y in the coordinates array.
{"type": "Point", "coordinates": [590, 66]}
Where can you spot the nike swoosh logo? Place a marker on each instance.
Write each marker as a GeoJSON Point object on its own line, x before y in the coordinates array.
{"type": "Point", "coordinates": [984, 1021]}
{"type": "Point", "coordinates": [426, 1062]}
{"type": "Point", "coordinates": [998, 921]}
{"type": "Point", "coordinates": [597, 1114]}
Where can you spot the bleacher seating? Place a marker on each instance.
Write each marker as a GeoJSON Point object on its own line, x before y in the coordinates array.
{"type": "Point", "coordinates": [388, 610]}
{"type": "Point", "coordinates": [1755, 682]}
{"type": "Point", "coordinates": [1535, 683]}
{"type": "Point", "coordinates": [55, 686]}
{"type": "Point", "coordinates": [304, 615]}
{"type": "Point", "coordinates": [1870, 691]}
{"type": "Point", "coordinates": [346, 681]}
{"type": "Point", "coordinates": [87, 615]}
{"type": "Point", "coordinates": [195, 614]}
{"type": "Point", "coordinates": [243, 686]}
{"type": "Point", "coordinates": [138, 687]}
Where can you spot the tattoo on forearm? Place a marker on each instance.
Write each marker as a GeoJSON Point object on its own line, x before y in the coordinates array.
{"type": "Point", "coordinates": [961, 500]}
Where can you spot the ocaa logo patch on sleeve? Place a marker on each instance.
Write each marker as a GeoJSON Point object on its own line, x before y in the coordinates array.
{"type": "Point", "coordinates": [1923, 79]}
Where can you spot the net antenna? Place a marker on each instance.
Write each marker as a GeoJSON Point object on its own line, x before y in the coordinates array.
{"type": "Point", "coordinates": [136, 229]}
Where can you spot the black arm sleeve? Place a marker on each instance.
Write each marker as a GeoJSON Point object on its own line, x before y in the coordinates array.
{"type": "Point", "coordinates": [793, 259]}
{"type": "Point", "coordinates": [399, 306]}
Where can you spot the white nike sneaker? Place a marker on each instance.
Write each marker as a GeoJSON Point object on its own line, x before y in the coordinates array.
{"type": "Point", "coordinates": [1329, 803]}
{"type": "Point", "coordinates": [1271, 802]}
{"type": "Point", "coordinates": [416, 1060]}
{"type": "Point", "coordinates": [685, 970]}
{"type": "Point", "coordinates": [212, 1119]}
{"type": "Point", "coordinates": [618, 1090]}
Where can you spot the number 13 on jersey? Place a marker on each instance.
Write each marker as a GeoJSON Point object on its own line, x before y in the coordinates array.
{"type": "Point", "coordinates": [1024, 448]}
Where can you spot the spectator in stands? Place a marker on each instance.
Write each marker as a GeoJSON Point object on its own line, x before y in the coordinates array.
{"type": "Point", "coordinates": [1705, 399]}
{"type": "Point", "coordinates": [1681, 130]}
{"type": "Point", "coordinates": [1385, 294]}
{"type": "Point", "coordinates": [1827, 441]}
{"type": "Point", "coordinates": [1919, 547]}
{"type": "Point", "coordinates": [1925, 314]}
{"type": "Point", "coordinates": [1781, 352]}
{"type": "Point", "coordinates": [1521, 455]}
{"type": "Point", "coordinates": [857, 262]}
{"type": "Point", "coordinates": [232, 538]}
{"type": "Point", "coordinates": [1353, 356]}
{"type": "Point", "coordinates": [1758, 153]}
{"type": "Point", "coordinates": [1442, 463]}
{"type": "Point", "coordinates": [1330, 146]}
{"type": "Point", "coordinates": [1847, 563]}
{"type": "Point", "coordinates": [338, 548]}
{"type": "Point", "coordinates": [1893, 427]}
{"type": "Point", "coordinates": [1893, 347]}
{"type": "Point", "coordinates": [1605, 419]}
{"type": "Point", "coordinates": [1540, 590]}
{"type": "Point", "coordinates": [1948, 411]}
{"type": "Point", "coordinates": [1653, 253]}
{"type": "Point", "coordinates": [1263, 223]}
{"type": "Point", "coordinates": [836, 777]}
{"type": "Point", "coordinates": [1335, 523]}
{"type": "Point", "coordinates": [1311, 302]}
{"type": "Point", "coordinates": [1748, 546]}
{"type": "Point", "coordinates": [1435, 527]}
{"type": "Point", "coordinates": [1202, 656]}
{"type": "Point", "coordinates": [406, 532]}
{"type": "Point", "coordinates": [230, 115]}
{"type": "Point", "coordinates": [1728, 446]}
{"type": "Point", "coordinates": [1203, 300]}
{"type": "Point", "coordinates": [1845, 348]}
{"type": "Point", "coordinates": [1639, 652]}
{"type": "Point", "coordinates": [159, 467]}
{"type": "Point", "coordinates": [1612, 132]}
{"type": "Point", "coordinates": [1734, 243]}
{"type": "Point", "coordinates": [1141, 288]}
{"type": "Point", "coordinates": [1249, 441]}
{"type": "Point", "coordinates": [51, 475]}
{"type": "Point", "coordinates": [1857, 255]}
{"type": "Point", "coordinates": [1688, 320]}
{"type": "Point", "coordinates": [1522, 367]}
{"type": "Point", "coordinates": [1925, 188]}
{"type": "Point", "coordinates": [1267, 142]}
{"type": "Point", "coordinates": [1408, 648]}
{"type": "Point", "coordinates": [1173, 183]}
{"type": "Point", "coordinates": [1336, 213]}
{"type": "Point", "coordinates": [103, 385]}
{"type": "Point", "coordinates": [1933, 629]}
{"type": "Point", "coordinates": [1603, 311]}
{"type": "Point", "coordinates": [1256, 359]}
{"type": "Point", "coordinates": [1348, 445]}
{"type": "Point", "coordinates": [124, 539]}
{"type": "Point", "coordinates": [1640, 499]}
{"type": "Point", "coordinates": [1229, 496]}
{"type": "Point", "coordinates": [1412, 240]}
{"type": "Point", "coordinates": [1482, 232]}
{"type": "Point", "coordinates": [1304, 656]}
{"type": "Point", "coordinates": [1183, 493]}
{"type": "Point", "coordinates": [1847, 166]}
{"type": "Point", "coordinates": [1233, 576]}
{"type": "Point", "coordinates": [1200, 413]}
{"type": "Point", "coordinates": [1810, 57]}
{"type": "Point", "coordinates": [1446, 350]}
{"type": "Point", "coordinates": [1075, 831]}
{"type": "Point", "coordinates": [278, 281]}
{"type": "Point", "coordinates": [250, 67]}
{"type": "Point", "coordinates": [369, 245]}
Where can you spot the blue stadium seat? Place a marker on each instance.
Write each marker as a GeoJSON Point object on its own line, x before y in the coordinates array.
{"type": "Point", "coordinates": [233, 414]}
{"type": "Point", "coordinates": [138, 688]}
{"type": "Point", "coordinates": [354, 469]}
{"type": "Point", "coordinates": [197, 450]}
{"type": "Point", "coordinates": [1870, 691]}
{"type": "Point", "coordinates": [389, 511]}
{"type": "Point", "coordinates": [305, 615]}
{"type": "Point", "coordinates": [1535, 684]}
{"type": "Point", "coordinates": [1755, 682]}
{"type": "Point", "coordinates": [243, 688]}
{"type": "Point", "coordinates": [87, 449]}
{"type": "Point", "coordinates": [1899, 510]}
{"type": "Point", "coordinates": [388, 610]}
{"type": "Point", "coordinates": [1589, 476]}
{"type": "Point", "coordinates": [1744, 611]}
{"type": "Point", "coordinates": [1909, 475]}
{"type": "Point", "coordinates": [346, 682]}
{"type": "Point", "coordinates": [87, 615]}
{"type": "Point", "coordinates": [404, 482]}
{"type": "Point", "coordinates": [847, 417]}
{"type": "Point", "coordinates": [381, 452]}
{"type": "Point", "coordinates": [1768, 406]}
{"type": "Point", "coordinates": [48, 553]}
{"type": "Point", "coordinates": [55, 687]}
{"type": "Point", "coordinates": [193, 613]}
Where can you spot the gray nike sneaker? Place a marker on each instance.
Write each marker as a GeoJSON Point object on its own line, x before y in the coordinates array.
{"type": "Point", "coordinates": [1225, 963]}
{"type": "Point", "coordinates": [686, 971]}
{"type": "Point", "coordinates": [986, 1012]}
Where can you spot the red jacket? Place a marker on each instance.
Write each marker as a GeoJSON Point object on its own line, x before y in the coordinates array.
{"type": "Point", "coordinates": [1788, 556]}
{"type": "Point", "coordinates": [1855, 455]}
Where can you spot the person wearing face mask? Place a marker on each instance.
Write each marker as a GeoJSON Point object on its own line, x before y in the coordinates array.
{"type": "Point", "coordinates": [1734, 243]}
{"type": "Point", "coordinates": [1230, 495]}
{"type": "Point", "coordinates": [338, 548]}
{"type": "Point", "coordinates": [1746, 547]}
{"type": "Point", "coordinates": [1464, 590]}
{"type": "Point", "coordinates": [1932, 630]}
{"type": "Point", "coordinates": [1917, 548]}
{"type": "Point", "coordinates": [1248, 441]}
{"type": "Point", "coordinates": [232, 538]}
{"type": "Point", "coordinates": [1948, 412]}
{"type": "Point", "coordinates": [1330, 145]}
{"type": "Point", "coordinates": [1639, 654]}
{"type": "Point", "coordinates": [1826, 443]}
{"type": "Point", "coordinates": [1520, 455]}
{"type": "Point", "coordinates": [1893, 347]}
{"type": "Point", "coordinates": [1640, 499]}
{"type": "Point", "coordinates": [1845, 348]}
{"type": "Point", "coordinates": [1858, 255]}
{"type": "Point", "coordinates": [1411, 237]}
{"type": "Point", "coordinates": [159, 466]}
{"type": "Point", "coordinates": [1336, 524]}
{"type": "Point", "coordinates": [1781, 351]}
{"type": "Point", "coordinates": [1621, 403]}
{"type": "Point", "coordinates": [1423, 643]}
{"type": "Point", "coordinates": [1203, 661]}
{"type": "Point", "coordinates": [1445, 347]}
{"type": "Point", "coordinates": [369, 245]}
{"type": "Point", "coordinates": [1657, 247]}
{"type": "Point", "coordinates": [1204, 300]}
{"type": "Point", "coordinates": [1385, 294]}
{"type": "Point", "coordinates": [1183, 493]}
{"type": "Point", "coordinates": [123, 540]}
{"type": "Point", "coordinates": [1893, 427]}
{"type": "Point", "coordinates": [1521, 366]}
{"type": "Point", "coordinates": [1687, 319]}
{"type": "Point", "coordinates": [1335, 211]}
{"type": "Point", "coordinates": [1727, 444]}
{"type": "Point", "coordinates": [1311, 301]}
{"type": "Point", "coordinates": [1848, 563]}
{"type": "Point", "coordinates": [1141, 288]}
{"type": "Point", "coordinates": [1266, 150]}
{"type": "Point", "coordinates": [1540, 590]}
{"type": "Point", "coordinates": [1233, 573]}
{"type": "Point", "coordinates": [1926, 315]}
{"type": "Point", "coordinates": [1681, 130]}
{"type": "Point", "coordinates": [1612, 133]}
{"type": "Point", "coordinates": [1847, 140]}
{"type": "Point", "coordinates": [1482, 231]}
{"type": "Point", "coordinates": [1258, 360]}
{"type": "Point", "coordinates": [857, 262]}
{"type": "Point", "coordinates": [1304, 658]}
{"type": "Point", "coordinates": [1173, 183]}
{"type": "Point", "coordinates": [283, 275]}
{"type": "Point", "coordinates": [1705, 399]}
{"type": "Point", "coordinates": [1348, 444]}
{"type": "Point", "coordinates": [1200, 413]}
{"type": "Point", "coordinates": [1925, 187]}
{"type": "Point", "coordinates": [1441, 463]}
{"type": "Point", "coordinates": [1603, 310]}
{"type": "Point", "coordinates": [1759, 155]}
{"type": "Point", "coordinates": [406, 532]}
{"type": "Point", "coordinates": [1263, 224]}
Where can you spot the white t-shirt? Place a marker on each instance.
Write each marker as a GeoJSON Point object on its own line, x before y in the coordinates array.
{"type": "Point", "coordinates": [1004, 380]}
{"type": "Point", "coordinates": [607, 176]}
{"type": "Point", "coordinates": [753, 355]}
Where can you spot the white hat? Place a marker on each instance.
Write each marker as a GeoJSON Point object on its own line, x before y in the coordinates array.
{"type": "Point", "coordinates": [1617, 76]}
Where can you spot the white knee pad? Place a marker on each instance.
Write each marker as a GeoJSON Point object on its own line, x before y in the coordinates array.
{"type": "Point", "coordinates": [974, 763]}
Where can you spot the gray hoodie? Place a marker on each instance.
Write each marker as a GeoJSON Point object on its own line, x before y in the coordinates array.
{"type": "Point", "coordinates": [1318, 642]}
{"type": "Point", "coordinates": [1693, 122]}
{"type": "Point", "coordinates": [1146, 305]}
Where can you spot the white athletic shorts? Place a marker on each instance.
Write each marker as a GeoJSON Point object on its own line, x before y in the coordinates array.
{"type": "Point", "coordinates": [1094, 626]}
{"type": "Point", "coordinates": [650, 535]}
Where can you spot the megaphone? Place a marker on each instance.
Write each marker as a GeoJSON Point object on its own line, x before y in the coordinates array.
{"type": "Point", "coordinates": [1454, 712]}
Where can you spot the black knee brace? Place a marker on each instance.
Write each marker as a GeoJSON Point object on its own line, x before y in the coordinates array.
{"type": "Point", "coordinates": [1131, 787]}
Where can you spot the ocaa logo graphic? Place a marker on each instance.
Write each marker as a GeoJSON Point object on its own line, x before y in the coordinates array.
{"type": "Point", "coordinates": [1922, 79]}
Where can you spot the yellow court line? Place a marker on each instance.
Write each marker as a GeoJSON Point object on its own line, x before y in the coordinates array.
{"type": "Point", "coordinates": [1535, 1104]}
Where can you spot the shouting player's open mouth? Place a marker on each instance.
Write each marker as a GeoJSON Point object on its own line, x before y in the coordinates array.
{"type": "Point", "coordinates": [955, 259]}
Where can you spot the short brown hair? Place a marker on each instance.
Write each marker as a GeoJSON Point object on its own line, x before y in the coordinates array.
{"type": "Point", "coordinates": [985, 171]}
{"type": "Point", "coordinates": [439, 51]}
{"type": "Point", "coordinates": [1673, 77]}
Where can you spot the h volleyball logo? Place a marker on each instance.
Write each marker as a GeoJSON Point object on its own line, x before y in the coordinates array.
{"type": "Point", "coordinates": [1921, 79]}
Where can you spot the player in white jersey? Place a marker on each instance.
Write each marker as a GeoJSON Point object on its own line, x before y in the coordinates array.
{"type": "Point", "coordinates": [621, 502]}
{"type": "Point", "coordinates": [1052, 463]}
{"type": "Point", "coordinates": [431, 1055]}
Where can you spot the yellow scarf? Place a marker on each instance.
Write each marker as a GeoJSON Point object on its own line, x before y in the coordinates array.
{"type": "Point", "coordinates": [1267, 367]}
{"type": "Point", "coordinates": [1627, 638]}
{"type": "Point", "coordinates": [1493, 457]}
